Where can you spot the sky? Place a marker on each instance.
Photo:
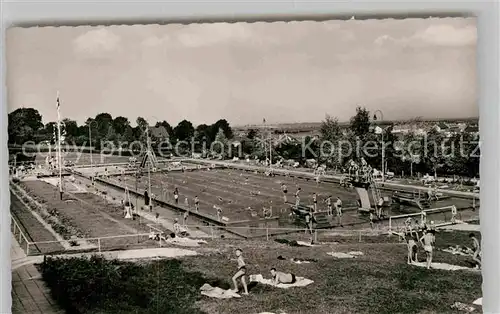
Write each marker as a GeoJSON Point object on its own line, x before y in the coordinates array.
{"type": "Point", "coordinates": [284, 72]}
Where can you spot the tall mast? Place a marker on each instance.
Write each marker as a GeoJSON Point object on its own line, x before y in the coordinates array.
{"type": "Point", "coordinates": [59, 160]}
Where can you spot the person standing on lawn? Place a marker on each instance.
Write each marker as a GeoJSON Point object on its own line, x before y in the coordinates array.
{"type": "Point", "coordinates": [284, 190]}
{"type": "Point", "coordinates": [427, 241]}
{"type": "Point", "coordinates": [241, 272]}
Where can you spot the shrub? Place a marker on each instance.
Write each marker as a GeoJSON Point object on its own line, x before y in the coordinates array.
{"type": "Point", "coordinates": [97, 285]}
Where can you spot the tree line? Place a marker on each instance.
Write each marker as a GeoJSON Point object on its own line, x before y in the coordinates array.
{"type": "Point", "coordinates": [433, 152]}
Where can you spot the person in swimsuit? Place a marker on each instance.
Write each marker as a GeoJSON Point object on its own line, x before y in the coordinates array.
{"type": "Point", "coordinates": [297, 198]}
{"type": "Point", "coordinates": [285, 191]}
{"type": "Point", "coordinates": [454, 213]}
{"type": "Point", "coordinates": [476, 246]}
{"type": "Point", "coordinates": [338, 207]}
{"type": "Point", "coordinates": [185, 218]}
{"type": "Point", "coordinates": [315, 202]}
{"type": "Point", "coordinates": [329, 209]}
{"type": "Point", "coordinates": [427, 241]}
{"type": "Point", "coordinates": [177, 227]}
{"type": "Point", "coordinates": [196, 203]}
{"type": "Point", "coordinates": [281, 277]}
{"type": "Point", "coordinates": [241, 272]}
{"type": "Point", "coordinates": [410, 237]}
{"type": "Point", "coordinates": [176, 196]}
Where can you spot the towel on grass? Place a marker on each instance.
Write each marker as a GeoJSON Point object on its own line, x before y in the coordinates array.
{"type": "Point", "coordinates": [185, 241]}
{"type": "Point", "coordinates": [442, 266]}
{"type": "Point", "coordinates": [345, 255]}
{"type": "Point", "coordinates": [303, 243]}
{"type": "Point", "coordinates": [478, 302]}
{"type": "Point", "coordinates": [456, 252]}
{"type": "Point", "coordinates": [301, 282]}
{"type": "Point", "coordinates": [463, 307]}
{"type": "Point", "coordinates": [219, 293]}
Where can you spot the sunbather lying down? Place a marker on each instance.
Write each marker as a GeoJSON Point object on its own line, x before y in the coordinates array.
{"type": "Point", "coordinates": [281, 280]}
{"type": "Point", "coordinates": [176, 240]}
{"type": "Point", "coordinates": [298, 260]}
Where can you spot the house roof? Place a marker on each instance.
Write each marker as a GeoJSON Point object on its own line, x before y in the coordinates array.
{"type": "Point", "coordinates": [472, 128]}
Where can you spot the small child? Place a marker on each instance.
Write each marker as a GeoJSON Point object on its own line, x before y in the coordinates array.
{"type": "Point", "coordinates": [315, 202]}
{"type": "Point", "coordinates": [241, 272]}
{"type": "Point", "coordinates": [186, 202]}
{"type": "Point", "coordinates": [371, 219]}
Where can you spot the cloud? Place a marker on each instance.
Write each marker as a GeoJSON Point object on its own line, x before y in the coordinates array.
{"type": "Point", "coordinates": [155, 41]}
{"type": "Point", "coordinates": [96, 42]}
{"type": "Point", "coordinates": [204, 35]}
{"type": "Point", "coordinates": [435, 35]}
{"type": "Point", "coordinates": [198, 35]}
{"type": "Point", "coordinates": [447, 35]}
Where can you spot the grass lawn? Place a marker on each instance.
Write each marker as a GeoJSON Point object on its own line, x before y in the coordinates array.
{"type": "Point", "coordinates": [380, 281]}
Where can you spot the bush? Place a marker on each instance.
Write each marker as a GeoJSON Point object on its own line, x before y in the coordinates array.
{"type": "Point", "coordinates": [97, 285]}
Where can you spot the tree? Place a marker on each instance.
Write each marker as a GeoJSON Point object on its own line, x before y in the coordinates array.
{"type": "Point", "coordinates": [360, 123]}
{"type": "Point", "coordinates": [23, 125]}
{"type": "Point", "coordinates": [433, 156]}
{"type": "Point", "coordinates": [224, 125]}
{"type": "Point", "coordinates": [222, 142]}
{"type": "Point", "coordinates": [202, 134]}
{"type": "Point", "coordinates": [120, 124]}
{"type": "Point", "coordinates": [70, 129]}
{"type": "Point", "coordinates": [103, 121]}
{"type": "Point", "coordinates": [251, 134]}
{"type": "Point", "coordinates": [142, 127]}
{"type": "Point", "coordinates": [330, 135]}
{"type": "Point", "coordinates": [184, 131]}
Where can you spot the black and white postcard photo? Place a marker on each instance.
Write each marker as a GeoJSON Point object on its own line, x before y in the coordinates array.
{"type": "Point", "coordinates": [268, 167]}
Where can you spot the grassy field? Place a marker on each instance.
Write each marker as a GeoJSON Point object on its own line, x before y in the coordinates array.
{"type": "Point", "coordinates": [380, 281]}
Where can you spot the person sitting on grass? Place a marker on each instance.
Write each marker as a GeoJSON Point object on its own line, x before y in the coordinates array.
{"type": "Point", "coordinates": [240, 273]}
{"type": "Point", "coordinates": [177, 227]}
{"type": "Point", "coordinates": [476, 247]}
{"type": "Point", "coordinates": [281, 277]}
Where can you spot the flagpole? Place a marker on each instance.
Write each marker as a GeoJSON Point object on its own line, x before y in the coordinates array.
{"type": "Point", "coordinates": [59, 146]}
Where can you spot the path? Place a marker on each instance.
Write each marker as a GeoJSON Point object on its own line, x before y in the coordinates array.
{"type": "Point", "coordinates": [29, 293]}
{"type": "Point", "coordinates": [163, 252]}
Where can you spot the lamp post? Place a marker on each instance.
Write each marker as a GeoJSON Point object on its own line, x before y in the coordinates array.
{"type": "Point", "coordinates": [382, 138]}
{"type": "Point", "coordinates": [90, 140]}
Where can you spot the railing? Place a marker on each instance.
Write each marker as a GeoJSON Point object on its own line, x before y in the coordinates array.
{"type": "Point", "coordinates": [444, 210]}
{"type": "Point", "coordinates": [19, 235]}
{"type": "Point", "coordinates": [141, 240]}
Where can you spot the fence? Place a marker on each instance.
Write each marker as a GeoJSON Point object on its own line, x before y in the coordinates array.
{"type": "Point", "coordinates": [440, 216]}
{"type": "Point", "coordinates": [19, 234]}
{"type": "Point", "coordinates": [212, 233]}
